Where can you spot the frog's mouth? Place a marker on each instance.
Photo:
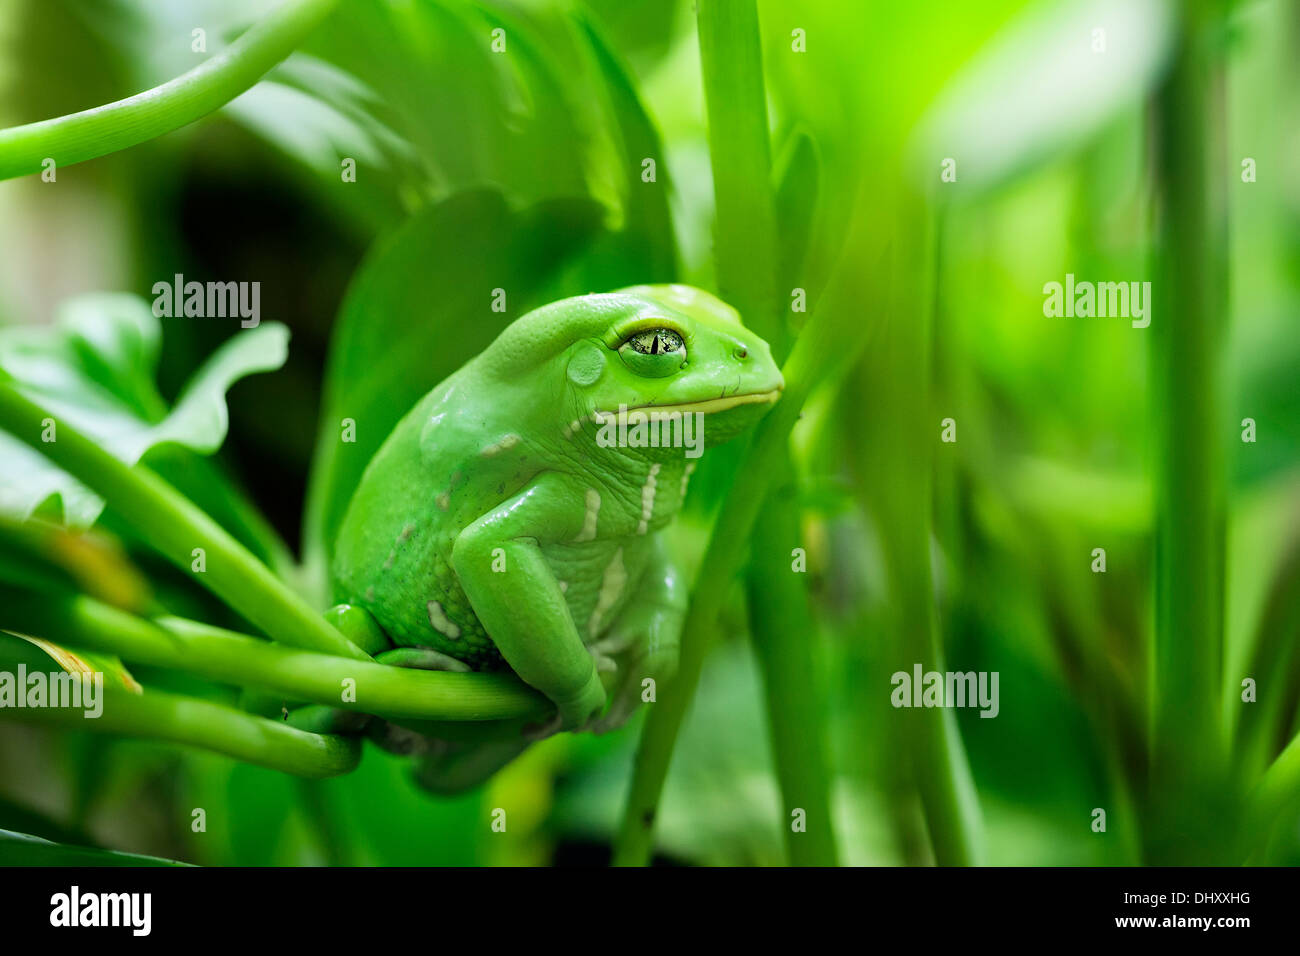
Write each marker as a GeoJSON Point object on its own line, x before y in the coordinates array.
{"type": "Point", "coordinates": [706, 406]}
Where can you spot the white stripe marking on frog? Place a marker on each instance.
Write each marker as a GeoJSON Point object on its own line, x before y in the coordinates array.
{"type": "Point", "coordinates": [588, 532]}
{"type": "Point", "coordinates": [611, 586]}
{"type": "Point", "coordinates": [440, 623]}
{"type": "Point", "coordinates": [505, 444]}
{"type": "Point", "coordinates": [648, 499]}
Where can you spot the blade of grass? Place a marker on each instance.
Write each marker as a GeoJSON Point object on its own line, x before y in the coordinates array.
{"type": "Point", "coordinates": [175, 527]}
{"type": "Point", "coordinates": [176, 103]}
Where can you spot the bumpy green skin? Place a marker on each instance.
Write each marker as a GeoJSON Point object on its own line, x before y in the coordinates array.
{"type": "Point", "coordinates": [494, 527]}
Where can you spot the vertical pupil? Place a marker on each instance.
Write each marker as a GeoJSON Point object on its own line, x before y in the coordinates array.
{"type": "Point", "coordinates": [656, 342]}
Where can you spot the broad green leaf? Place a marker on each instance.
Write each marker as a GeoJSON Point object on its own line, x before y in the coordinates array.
{"type": "Point", "coordinates": [94, 370]}
{"type": "Point", "coordinates": [20, 849]}
{"type": "Point", "coordinates": [471, 114]}
{"type": "Point", "coordinates": [419, 307]}
{"type": "Point", "coordinates": [646, 232]}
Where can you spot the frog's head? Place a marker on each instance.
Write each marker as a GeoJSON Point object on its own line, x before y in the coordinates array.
{"type": "Point", "coordinates": [651, 351]}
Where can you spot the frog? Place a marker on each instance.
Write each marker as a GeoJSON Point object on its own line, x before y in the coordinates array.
{"type": "Point", "coordinates": [515, 517]}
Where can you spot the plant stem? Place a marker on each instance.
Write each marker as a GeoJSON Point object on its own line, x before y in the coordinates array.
{"type": "Point", "coordinates": [175, 527]}
{"type": "Point", "coordinates": [785, 636]}
{"type": "Point", "coordinates": [227, 657]}
{"type": "Point", "coordinates": [746, 252]}
{"type": "Point", "coordinates": [834, 334]}
{"type": "Point", "coordinates": [1187, 736]}
{"type": "Point", "coordinates": [896, 385]}
{"type": "Point", "coordinates": [176, 103]}
{"type": "Point", "coordinates": [159, 716]}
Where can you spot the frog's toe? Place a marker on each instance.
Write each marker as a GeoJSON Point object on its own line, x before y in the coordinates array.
{"type": "Point", "coordinates": [422, 658]}
{"type": "Point", "coordinates": [612, 645]}
{"type": "Point", "coordinates": [617, 715]}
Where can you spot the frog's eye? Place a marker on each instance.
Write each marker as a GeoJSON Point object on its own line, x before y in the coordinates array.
{"type": "Point", "coordinates": [654, 353]}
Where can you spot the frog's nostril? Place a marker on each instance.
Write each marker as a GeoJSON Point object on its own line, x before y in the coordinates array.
{"type": "Point", "coordinates": [740, 352]}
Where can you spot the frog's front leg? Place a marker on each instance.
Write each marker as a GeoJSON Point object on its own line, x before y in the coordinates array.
{"type": "Point", "coordinates": [642, 642]}
{"type": "Point", "coordinates": [499, 562]}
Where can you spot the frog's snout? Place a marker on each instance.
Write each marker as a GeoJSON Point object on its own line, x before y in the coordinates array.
{"type": "Point", "coordinates": [755, 359]}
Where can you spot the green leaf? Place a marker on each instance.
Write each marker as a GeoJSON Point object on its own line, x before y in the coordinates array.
{"type": "Point", "coordinates": [470, 114]}
{"type": "Point", "coordinates": [646, 235]}
{"type": "Point", "coordinates": [796, 196]}
{"type": "Point", "coordinates": [94, 370]}
{"type": "Point", "coordinates": [418, 308]}
{"type": "Point", "coordinates": [21, 849]}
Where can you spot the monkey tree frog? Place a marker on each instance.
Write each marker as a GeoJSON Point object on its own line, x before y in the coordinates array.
{"type": "Point", "coordinates": [513, 517]}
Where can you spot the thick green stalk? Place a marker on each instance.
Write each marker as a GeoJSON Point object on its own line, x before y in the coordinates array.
{"type": "Point", "coordinates": [227, 657]}
{"type": "Point", "coordinates": [834, 334]}
{"type": "Point", "coordinates": [159, 716]}
{"type": "Point", "coordinates": [176, 103]}
{"type": "Point", "coordinates": [170, 718]}
{"type": "Point", "coordinates": [175, 527]}
{"type": "Point", "coordinates": [1186, 333]}
{"type": "Point", "coordinates": [746, 250]}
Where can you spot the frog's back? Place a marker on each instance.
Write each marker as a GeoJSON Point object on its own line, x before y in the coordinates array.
{"type": "Point", "coordinates": [393, 552]}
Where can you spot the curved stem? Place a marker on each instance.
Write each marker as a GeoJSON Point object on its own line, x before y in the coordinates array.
{"type": "Point", "coordinates": [159, 716]}
{"type": "Point", "coordinates": [227, 657]}
{"type": "Point", "coordinates": [170, 523]}
{"type": "Point", "coordinates": [176, 103]}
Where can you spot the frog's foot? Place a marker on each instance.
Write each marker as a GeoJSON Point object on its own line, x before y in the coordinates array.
{"type": "Point", "coordinates": [422, 658]}
{"type": "Point", "coordinates": [656, 662]}
{"type": "Point", "coordinates": [359, 626]}
{"type": "Point", "coordinates": [403, 740]}
{"type": "Point", "coordinates": [549, 728]}
{"type": "Point", "coordinates": [607, 650]}
{"type": "Point", "coordinates": [459, 767]}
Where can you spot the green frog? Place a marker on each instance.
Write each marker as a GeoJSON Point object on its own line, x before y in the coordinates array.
{"type": "Point", "coordinates": [514, 517]}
